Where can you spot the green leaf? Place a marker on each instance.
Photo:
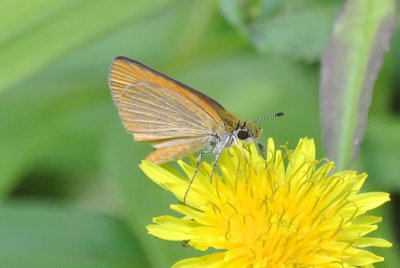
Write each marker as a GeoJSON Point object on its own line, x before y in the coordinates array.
{"type": "Point", "coordinates": [350, 65]}
{"type": "Point", "coordinates": [40, 235]}
{"type": "Point", "coordinates": [295, 29]}
{"type": "Point", "coordinates": [46, 30]}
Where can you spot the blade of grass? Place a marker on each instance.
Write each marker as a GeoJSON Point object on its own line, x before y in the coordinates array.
{"type": "Point", "coordinates": [61, 32]}
{"type": "Point", "coordinates": [350, 65]}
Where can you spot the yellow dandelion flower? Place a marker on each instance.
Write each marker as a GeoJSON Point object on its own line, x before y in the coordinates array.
{"type": "Point", "coordinates": [262, 214]}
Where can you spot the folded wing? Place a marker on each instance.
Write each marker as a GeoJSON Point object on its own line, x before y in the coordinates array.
{"type": "Point", "coordinates": [175, 119]}
{"type": "Point", "coordinates": [154, 113]}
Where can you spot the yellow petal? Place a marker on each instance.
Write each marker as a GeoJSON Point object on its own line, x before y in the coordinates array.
{"type": "Point", "coordinates": [372, 242]}
{"type": "Point", "coordinates": [215, 260]}
{"type": "Point", "coordinates": [172, 228]}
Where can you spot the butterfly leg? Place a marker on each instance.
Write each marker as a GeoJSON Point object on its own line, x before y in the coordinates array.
{"type": "Point", "coordinates": [195, 172]}
{"type": "Point", "coordinates": [227, 141]}
{"type": "Point", "coordinates": [240, 148]}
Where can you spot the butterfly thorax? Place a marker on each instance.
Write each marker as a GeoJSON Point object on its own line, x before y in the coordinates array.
{"type": "Point", "coordinates": [245, 132]}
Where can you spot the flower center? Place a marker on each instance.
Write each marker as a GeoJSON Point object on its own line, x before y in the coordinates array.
{"type": "Point", "coordinates": [277, 223]}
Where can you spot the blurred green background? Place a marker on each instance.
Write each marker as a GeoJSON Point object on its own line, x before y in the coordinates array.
{"type": "Point", "coordinates": [71, 190]}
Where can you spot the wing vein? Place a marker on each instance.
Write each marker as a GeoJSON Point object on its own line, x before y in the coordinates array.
{"type": "Point", "coordinates": [173, 107]}
{"type": "Point", "coordinates": [156, 115]}
{"type": "Point", "coordinates": [194, 120]}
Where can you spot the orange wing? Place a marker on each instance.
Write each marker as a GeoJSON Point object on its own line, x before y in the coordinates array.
{"type": "Point", "coordinates": [174, 118]}
{"type": "Point", "coordinates": [169, 150]}
{"type": "Point", "coordinates": [156, 113]}
{"type": "Point", "coordinates": [125, 72]}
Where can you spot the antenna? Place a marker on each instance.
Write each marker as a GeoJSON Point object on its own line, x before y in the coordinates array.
{"type": "Point", "coordinates": [269, 116]}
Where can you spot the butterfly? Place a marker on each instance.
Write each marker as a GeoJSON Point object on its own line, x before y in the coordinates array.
{"type": "Point", "coordinates": [175, 119]}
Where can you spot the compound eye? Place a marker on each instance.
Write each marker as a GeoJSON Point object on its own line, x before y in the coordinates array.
{"type": "Point", "coordinates": [243, 134]}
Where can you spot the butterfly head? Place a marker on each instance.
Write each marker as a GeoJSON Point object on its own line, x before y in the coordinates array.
{"type": "Point", "coordinates": [247, 132]}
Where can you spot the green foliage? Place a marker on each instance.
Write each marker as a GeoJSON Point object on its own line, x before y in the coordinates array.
{"type": "Point", "coordinates": [59, 128]}
{"type": "Point", "coordinates": [67, 238]}
{"type": "Point", "coordinates": [296, 29]}
{"type": "Point", "coordinates": [44, 31]}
